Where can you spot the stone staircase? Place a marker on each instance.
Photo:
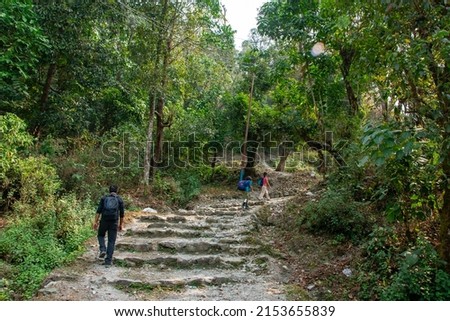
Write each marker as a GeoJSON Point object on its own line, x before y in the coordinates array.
{"type": "Point", "coordinates": [209, 253]}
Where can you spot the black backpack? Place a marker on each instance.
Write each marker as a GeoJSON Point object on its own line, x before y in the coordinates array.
{"type": "Point", "coordinates": [110, 208]}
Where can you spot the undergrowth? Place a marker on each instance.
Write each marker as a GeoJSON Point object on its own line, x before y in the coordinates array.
{"type": "Point", "coordinates": [39, 238]}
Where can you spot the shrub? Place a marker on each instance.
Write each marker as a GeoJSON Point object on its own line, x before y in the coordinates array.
{"type": "Point", "coordinates": [420, 275]}
{"type": "Point", "coordinates": [336, 214]}
{"type": "Point", "coordinates": [42, 236]}
{"type": "Point", "coordinates": [180, 189]}
{"type": "Point", "coordinates": [38, 179]}
{"type": "Point", "coordinates": [393, 271]}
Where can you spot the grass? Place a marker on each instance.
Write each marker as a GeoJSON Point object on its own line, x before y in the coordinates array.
{"type": "Point", "coordinates": [295, 292]}
{"type": "Point", "coordinates": [149, 291]}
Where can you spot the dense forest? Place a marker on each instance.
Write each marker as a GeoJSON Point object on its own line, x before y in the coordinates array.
{"type": "Point", "coordinates": [153, 96]}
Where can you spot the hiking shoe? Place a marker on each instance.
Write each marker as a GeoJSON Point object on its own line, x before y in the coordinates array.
{"type": "Point", "coordinates": [107, 264]}
{"type": "Point", "coordinates": [102, 255]}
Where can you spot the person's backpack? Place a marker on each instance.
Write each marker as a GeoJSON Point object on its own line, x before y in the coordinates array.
{"type": "Point", "coordinates": [242, 185]}
{"type": "Point", "coordinates": [260, 181]}
{"type": "Point", "coordinates": [110, 207]}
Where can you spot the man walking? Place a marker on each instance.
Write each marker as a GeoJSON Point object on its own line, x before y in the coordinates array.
{"type": "Point", "coordinates": [110, 214]}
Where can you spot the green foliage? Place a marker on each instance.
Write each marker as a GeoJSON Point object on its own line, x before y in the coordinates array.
{"type": "Point", "coordinates": [88, 163]}
{"type": "Point", "coordinates": [336, 214]}
{"type": "Point", "coordinates": [406, 163]}
{"type": "Point", "coordinates": [42, 236]}
{"type": "Point", "coordinates": [38, 179]}
{"type": "Point", "coordinates": [14, 140]}
{"type": "Point", "coordinates": [181, 186]}
{"type": "Point", "coordinates": [178, 189]}
{"type": "Point", "coordinates": [393, 271]}
{"type": "Point", "coordinates": [21, 43]}
{"type": "Point", "coordinates": [358, 180]}
{"type": "Point", "coordinates": [28, 178]}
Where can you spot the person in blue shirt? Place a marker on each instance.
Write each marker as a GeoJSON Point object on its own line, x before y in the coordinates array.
{"type": "Point", "coordinates": [246, 186]}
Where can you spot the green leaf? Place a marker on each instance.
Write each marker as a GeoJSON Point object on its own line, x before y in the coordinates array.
{"type": "Point", "coordinates": [441, 34]}
{"type": "Point", "coordinates": [408, 148]}
{"type": "Point", "coordinates": [387, 152]}
{"type": "Point", "coordinates": [380, 161]}
{"type": "Point", "coordinates": [405, 135]}
{"type": "Point", "coordinates": [393, 212]}
{"type": "Point", "coordinates": [400, 154]}
{"type": "Point", "coordinates": [363, 161]}
{"type": "Point", "coordinates": [411, 258]}
{"type": "Point", "coordinates": [379, 139]}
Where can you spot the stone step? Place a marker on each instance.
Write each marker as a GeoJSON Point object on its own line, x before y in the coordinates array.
{"type": "Point", "coordinates": [174, 284]}
{"type": "Point", "coordinates": [235, 205]}
{"type": "Point", "coordinates": [207, 246]}
{"type": "Point", "coordinates": [219, 219]}
{"type": "Point", "coordinates": [184, 226]}
{"type": "Point", "coordinates": [260, 290]}
{"type": "Point", "coordinates": [159, 218]}
{"type": "Point", "coordinates": [203, 214]}
{"type": "Point", "coordinates": [179, 261]}
{"type": "Point", "coordinates": [214, 212]}
{"type": "Point", "coordinates": [169, 232]}
{"type": "Point", "coordinates": [235, 231]}
{"type": "Point", "coordinates": [213, 225]}
{"type": "Point", "coordinates": [147, 278]}
{"type": "Point", "coordinates": [187, 212]}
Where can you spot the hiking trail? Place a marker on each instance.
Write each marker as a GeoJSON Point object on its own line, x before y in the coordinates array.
{"type": "Point", "coordinates": [215, 251]}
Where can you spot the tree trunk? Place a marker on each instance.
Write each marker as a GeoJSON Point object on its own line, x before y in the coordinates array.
{"type": "Point", "coordinates": [444, 233]}
{"type": "Point", "coordinates": [247, 124]}
{"type": "Point", "coordinates": [159, 132]}
{"type": "Point", "coordinates": [441, 80]}
{"type": "Point", "coordinates": [48, 82]}
{"type": "Point", "coordinates": [214, 160]}
{"type": "Point", "coordinates": [45, 94]}
{"type": "Point", "coordinates": [149, 142]}
{"type": "Point", "coordinates": [327, 147]}
{"type": "Point", "coordinates": [252, 148]}
{"type": "Point", "coordinates": [284, 154]}
{"type": "Point", "coordinates": [157, 102]}
{"type": "Point", "coordinates": [347, 56]}
{"type": "Point", "coordinates": [160, 125]}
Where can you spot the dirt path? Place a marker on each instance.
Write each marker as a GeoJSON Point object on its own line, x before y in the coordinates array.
{"type": "Point", "coordinates": [207, 253]}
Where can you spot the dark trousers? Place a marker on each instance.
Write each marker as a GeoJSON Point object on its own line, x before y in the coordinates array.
{"type": "Point", "coordinates": [109, 227]}
{"type": "Point", "coordinates": [247, 196]}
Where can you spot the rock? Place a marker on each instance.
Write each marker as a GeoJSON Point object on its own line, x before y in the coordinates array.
{"type": "Point", "coordinates": [149, 210]}
{"type": "Point", "coordinates": [49, 289]}
{"type": "Point", "coordinates": [309, 194]}
{"type": "Point", "coordinates": [310, 287]}
{"type": "Point", "coordinates": [271, 219]}
{"type": "Point", "coordinates": [347, 272]}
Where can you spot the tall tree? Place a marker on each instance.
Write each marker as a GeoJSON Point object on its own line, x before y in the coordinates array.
{"type": "Point", "coordinates": [179, 27]}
